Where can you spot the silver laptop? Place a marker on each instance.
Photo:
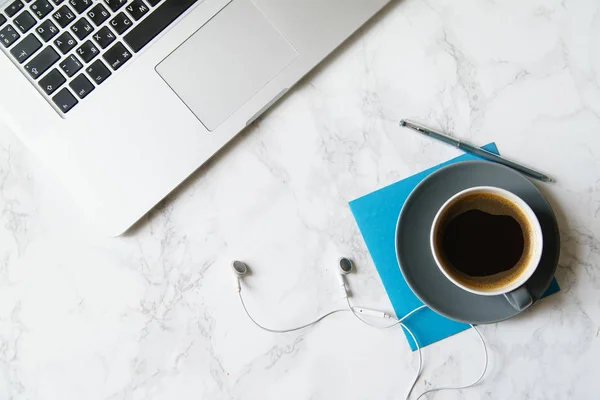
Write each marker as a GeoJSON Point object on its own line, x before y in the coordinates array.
{"type": "Point", "coordinates": [124, 99]}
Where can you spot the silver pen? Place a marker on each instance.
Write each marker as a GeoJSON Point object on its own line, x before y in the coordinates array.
{"type": "Point", "coordinates": [466, 147]}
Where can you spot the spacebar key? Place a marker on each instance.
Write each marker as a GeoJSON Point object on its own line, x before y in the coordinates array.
{"type": "Point", "coordinates": [156, 22]}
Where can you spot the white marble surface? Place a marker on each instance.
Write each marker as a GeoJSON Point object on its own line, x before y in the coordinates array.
{"type": "Point", "coordinates": [154, 315]}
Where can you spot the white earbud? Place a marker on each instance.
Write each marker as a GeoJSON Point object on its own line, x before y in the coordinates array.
{"type": "Point", "coordinates": [240, 270]}
{"type": "Point", "coordinates": [345, 266]}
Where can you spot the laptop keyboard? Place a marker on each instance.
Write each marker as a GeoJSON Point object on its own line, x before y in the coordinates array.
{"type": "Point", "coordinates": [68, 48]}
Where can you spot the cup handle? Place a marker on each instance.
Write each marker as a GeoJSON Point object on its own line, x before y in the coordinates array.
{"type": "Point", "coordinates": [519, 298]}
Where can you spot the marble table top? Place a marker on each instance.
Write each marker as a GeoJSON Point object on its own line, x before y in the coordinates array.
{"type": "Point", "coordinates": [154, 314]}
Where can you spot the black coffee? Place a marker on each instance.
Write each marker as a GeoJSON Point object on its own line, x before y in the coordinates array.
{"type": "Point", "coordinates": [483, 240]}
{"type": "Point", "coordinates": [477, 243]}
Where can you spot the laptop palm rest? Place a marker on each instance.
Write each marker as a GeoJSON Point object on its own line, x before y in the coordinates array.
{"type": "Point", "coordinates": [226, 62]}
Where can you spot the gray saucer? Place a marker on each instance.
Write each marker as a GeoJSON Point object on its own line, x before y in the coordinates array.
{"type": "Point", "coordinates": [414, 254]}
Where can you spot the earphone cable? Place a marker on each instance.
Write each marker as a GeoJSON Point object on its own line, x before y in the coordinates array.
{"type": "Point", "coordinates": [289, 329]}
{"type": "Point", "coordinates": [396, 321]}
{"type": "Point", "coordinates": [400, 322]}
{"type": "Point", "coordinates": [485, 366]}
{"type": "Point", "coordinates": [415, 380]}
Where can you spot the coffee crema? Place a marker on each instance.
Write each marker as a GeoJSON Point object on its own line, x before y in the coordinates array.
{"type": "Point", "coordinates": [484, 241]}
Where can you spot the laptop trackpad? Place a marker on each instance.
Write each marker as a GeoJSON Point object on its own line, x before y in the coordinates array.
{"type": "Point", "coordinates": [226, 62]}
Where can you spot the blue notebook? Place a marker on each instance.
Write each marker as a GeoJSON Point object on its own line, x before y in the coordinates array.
{"type": "Point", "coordinates": [376, 215]}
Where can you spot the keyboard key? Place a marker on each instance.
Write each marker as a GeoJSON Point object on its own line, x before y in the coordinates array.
{"type": "Point", "coordinates": [47, 30]}
{"type": "Point", "coordinates": [120, 23]}
{"type": "Point", "coordinates": [137, 9]}
{"type": "Point", "coordinates": [2, 19]}
{"type": "Point", "coordinates": [81, 86]}
{"type": "Point", "coordinates": [14, 8]}
{"type": "Point", "coordinates": [52, 81]}
{"type": "Point", "coordinates": [98, 14]}
{"type": "Point", "coordinates": [156, 22]}
{"type": "Point", "coordinates": [116, 56]}
{"type": "Point", "coordinates": [57, 2]}
{"type": "Point", "coordinates": [82, 28]}
{"type": "Point", "coordinates": [80, 5]}
{"type": "Point", "coordinates": [41, 8]}
{"type": "Point", "coordinates": [98, 72]}
{"type": "Point", "coordinates": [87, 51]}
{"type": "Point", "coordinates": [8, 35]}
{"type": "Point", "coordinates": [65, 42]}
{"type": "Point", "coordinates": [104, 37]}
{"type": "Point", "coordinates": [115, 4]}
{"type": "Point", "coordinates": [70, 65]}
{"type": "Point", "coordinates": [64, 16]}
{"type": "Point", "coordinates": [40, 63]}
{"type": "Point", "coordinates": [153, 2]}
{"type": "Point", "coordinates": [25, 48]}
{"type": "Point", "coordinates": [64, 100]}
{"type": "Point", "coordinates": [24, 21]}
